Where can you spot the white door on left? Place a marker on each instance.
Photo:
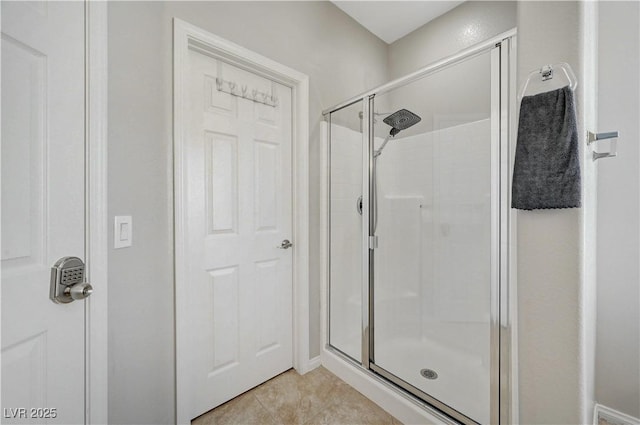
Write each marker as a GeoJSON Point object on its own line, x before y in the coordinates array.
{"type": "Point", "coordinates": [43, 201]}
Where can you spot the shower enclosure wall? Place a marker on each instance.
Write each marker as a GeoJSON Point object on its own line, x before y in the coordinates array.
{"type": "Point", "coordinates": [418, 234]}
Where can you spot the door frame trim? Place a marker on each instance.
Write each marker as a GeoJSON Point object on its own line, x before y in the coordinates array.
{"type": "Point", "coordinates": [96, 230]}
{"type": "Point", "coordinates": [184, 35]}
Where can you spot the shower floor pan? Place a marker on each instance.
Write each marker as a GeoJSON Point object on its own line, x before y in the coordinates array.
{"type": "Point", "coordinates": [462, 381]}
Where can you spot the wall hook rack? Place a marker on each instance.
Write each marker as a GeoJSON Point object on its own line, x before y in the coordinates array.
{"type": "Point", "coordinates": [242, 91]}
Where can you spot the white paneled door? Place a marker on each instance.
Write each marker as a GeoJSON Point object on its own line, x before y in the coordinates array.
{"type": "Point", "coordinates": [238, 212]}
{"type": "Point", "coordinates": [43, 355]}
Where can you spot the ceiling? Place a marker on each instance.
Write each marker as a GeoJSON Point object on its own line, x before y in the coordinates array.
{"type": "Point", "coordinates": [392, 20]}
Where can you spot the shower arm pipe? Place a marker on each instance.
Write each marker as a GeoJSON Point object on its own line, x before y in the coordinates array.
{"type": "Point", "coordinates": [378, 152]}
{"type": "Point", "coordinates": [361, 114]}
{"type": "Point", "coordinates": [433, 67]}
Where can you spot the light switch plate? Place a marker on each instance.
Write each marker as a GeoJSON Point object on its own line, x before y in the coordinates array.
{"type": "Point", "coordinates": [122, 231]}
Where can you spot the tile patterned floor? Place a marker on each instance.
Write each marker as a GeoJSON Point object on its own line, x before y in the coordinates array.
{"type": "Point", "coordinates": [319, 397]}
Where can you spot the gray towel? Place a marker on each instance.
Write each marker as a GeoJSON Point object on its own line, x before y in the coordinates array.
{"type": "Point", "coordinates": [546, 173]}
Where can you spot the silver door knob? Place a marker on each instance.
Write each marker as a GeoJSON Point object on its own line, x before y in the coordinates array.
{"type": "Point", "coordinates": [285, 244]}
{"type": "Point", "coordinates": [67, 281]}
{"type": "Point", "coordinates": [80, 291]}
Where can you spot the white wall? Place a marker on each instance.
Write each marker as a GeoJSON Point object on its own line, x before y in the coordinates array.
{"type": "Point", "coordinates": [461, 27]}
{"type": "Point", "coordinates": [140, 313]}
{"type": "Point", "coordinates": [450, 92]}
{"type": "Point", "coordinates": [340, 62]}
{"type": "Point", "coordinates": [618, 324]}
{"type": "Point", "coordinates": [555, 312]}
{"type": "Point", "coordinates": [342, 59]}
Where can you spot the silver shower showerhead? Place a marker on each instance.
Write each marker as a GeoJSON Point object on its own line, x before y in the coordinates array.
{"type": "Point", "coordinates": [401, 120]}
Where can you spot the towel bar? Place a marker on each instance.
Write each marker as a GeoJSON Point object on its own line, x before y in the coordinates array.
{"type": "Point", "coordinates": [594, 137]}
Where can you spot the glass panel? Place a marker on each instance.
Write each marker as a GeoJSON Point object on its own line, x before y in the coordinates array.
{"type": "Point", "coordinates": [432, 269]}
{"type": "Point", "coordinates": [345, 252]}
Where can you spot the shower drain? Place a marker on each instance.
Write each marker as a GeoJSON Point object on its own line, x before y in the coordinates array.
{"type": "Point", "coordinates": [429, 374]}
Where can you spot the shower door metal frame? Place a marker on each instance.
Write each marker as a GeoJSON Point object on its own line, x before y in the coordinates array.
{"type": "Point", "coordinates": [367, 232]}
{"type": "Point", "coordinates": [502, 50]}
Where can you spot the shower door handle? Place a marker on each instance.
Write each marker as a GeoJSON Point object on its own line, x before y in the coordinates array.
{"type": "Point", "coordinates": [286, 244]}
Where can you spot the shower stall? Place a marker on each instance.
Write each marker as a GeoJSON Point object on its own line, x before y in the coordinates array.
{"type": "Point", "coordinates": [417, 234]}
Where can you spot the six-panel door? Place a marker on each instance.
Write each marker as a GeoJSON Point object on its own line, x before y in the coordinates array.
{"type": "Point", "coordinates": [43, 370]}
{"type": "Point", "coordinates": [238, 209]}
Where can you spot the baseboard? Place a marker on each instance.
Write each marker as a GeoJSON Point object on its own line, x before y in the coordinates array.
{"type": "Point", "coordinates": [309, 365]}
{"type": "Point", "coordinates": [313, 363]}
{"type": "Point", "coordinates": [613, 416]}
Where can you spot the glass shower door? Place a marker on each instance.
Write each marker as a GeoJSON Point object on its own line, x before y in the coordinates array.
{"type": "Point", "coordinates": [345, 234]}
{"type": "Point", "coordinates": [433, 274]}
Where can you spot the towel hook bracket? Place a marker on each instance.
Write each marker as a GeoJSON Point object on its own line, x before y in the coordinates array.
{"type": "Point", "coordinates": [546, 73]}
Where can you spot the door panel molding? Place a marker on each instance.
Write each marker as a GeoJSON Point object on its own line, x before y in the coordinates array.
{"type": "Point", "coordinates": [189, 37]}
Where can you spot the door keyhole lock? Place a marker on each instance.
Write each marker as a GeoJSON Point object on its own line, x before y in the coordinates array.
{"type": "Point", "coordinates": [67, 281]}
